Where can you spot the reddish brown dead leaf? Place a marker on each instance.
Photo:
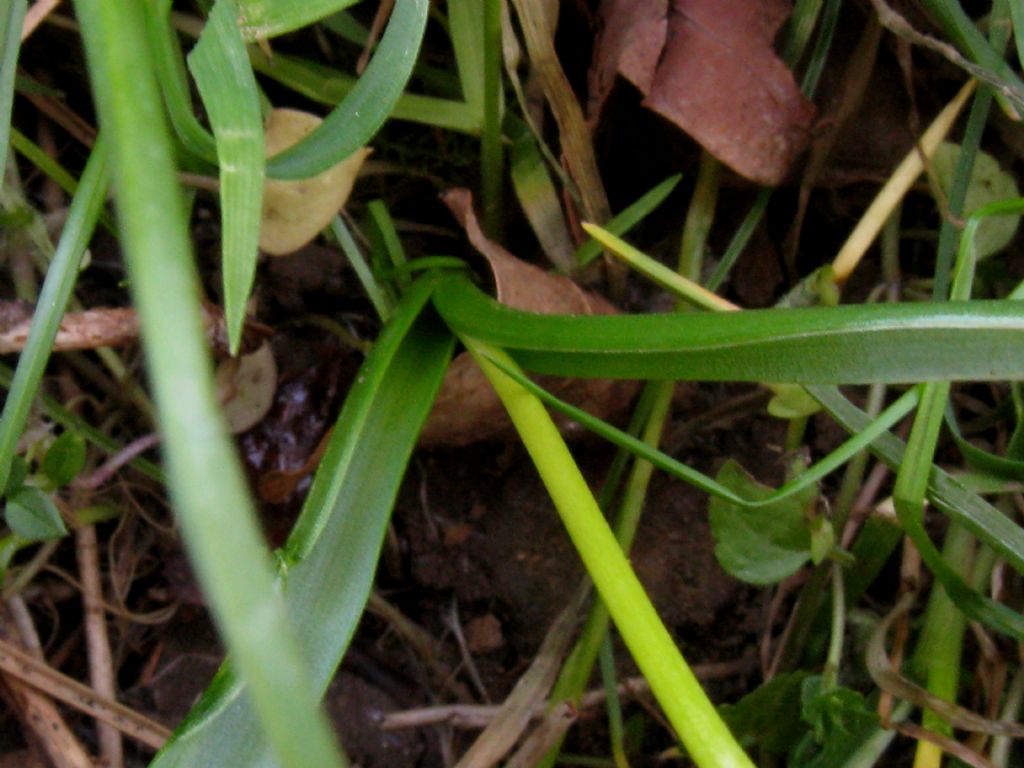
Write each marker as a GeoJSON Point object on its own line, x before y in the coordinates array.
{"type": "Point", "coordinates": [467, 410]}
{"type": "Point", "coordinates": [710, 68]}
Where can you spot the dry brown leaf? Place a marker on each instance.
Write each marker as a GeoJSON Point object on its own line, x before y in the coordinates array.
{"type": "Point", "coordinates": [467, 410]}
{"type": "Point", "coordinates": [294, 212]}
{"type": "Point", "coordinates": [710, 68]}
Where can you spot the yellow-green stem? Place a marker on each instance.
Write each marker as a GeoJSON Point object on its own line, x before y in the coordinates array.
{"type": "Point", "coordinates": [684, 702]}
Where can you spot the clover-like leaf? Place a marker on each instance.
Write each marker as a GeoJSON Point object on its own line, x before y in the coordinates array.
{"type": "Point", "coordinates": [765, 544]}
{"type": "Point", "coordinates": [988, 183]}
{"type": "Point", "coordinates": [64, 459]}
{"type": "Point", "coordinates": [31, 514]}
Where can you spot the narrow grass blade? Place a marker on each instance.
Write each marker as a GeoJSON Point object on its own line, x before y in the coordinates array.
{"type": "Point", "coordinates": [169, 66]}
{"type": "Point", "coordinates": [227, 86]}
{"type": "Point", "coordinates": [207, 485]}
{"type": "Point", "coordinates": [641, 449]}
{"type": "Point", "coordinates": [329, 86]}
{"type": "Point", "coordinates": [977, 340]}
{"type": "Point", "coordinates": [35, 155]}
{"type": "Point", "coordinates": [57, 288]}
{"type": "Point", "coordinates": [262, 19]}
{"type": "Point", "coordinates": [538, 197]}
{"type": "Point", "coordinates": [12, 14]}
{"type": "Point", "coordinates": [981, 518]}
{"type": "Point", "coordinates": [354, 121]}
{"type": "Point", "coordinates": [329, 561]}
{"type": "Point", "coordinates": [629, 217]}
{"type": "Point", "coordinates": [466, 29]}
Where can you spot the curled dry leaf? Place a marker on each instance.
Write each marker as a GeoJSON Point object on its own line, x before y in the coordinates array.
{"type": "Point", "coordinates": [467, 410]}
{"type": "Point", "coordinates": [294, 212]}
{"type": "Point", "coordinates": [246, 386]}
{"type": "Point", "coordinates": [709, 66]}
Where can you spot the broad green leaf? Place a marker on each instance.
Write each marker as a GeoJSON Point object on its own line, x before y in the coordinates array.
{"type": "Point", "coordinates": [31, 514]}
{"type": "Point", "coordinates": [295, 211]}
{"type": "Point", "coordinates": [64, 459]}
{"type": "Point", "coordinates": [988, 183]}
{"type": "Point", "coordinates": [12, 14]}
{"type": "Point", "coordinates": [765, 715]}
{"type": "Point", "coordinates": [977, 340]}
{"type": "Point", "coordinates": [329, 561]}
{"type": "Point", "coordinates": [352, 123]}
{"type": "Point", "coordinates": [208, 488]}
{"type": "Point", "coordinates": [762, 545]}
{"type": "Point", "coordinates": [228, 89]}
{"type": "Point", "coordinates": [263, 19]}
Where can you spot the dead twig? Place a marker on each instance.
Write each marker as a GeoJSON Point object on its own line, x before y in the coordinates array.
{"type": "Point", "coordinates": [101, 667]}
{"type": "Point", "coordinates": [40, 676]}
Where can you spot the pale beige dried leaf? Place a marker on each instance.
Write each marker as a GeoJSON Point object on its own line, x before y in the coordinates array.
{"type": "Point", "coordinates": [294, 212]}
{"type": "Point", "coordinates": [246, 386]}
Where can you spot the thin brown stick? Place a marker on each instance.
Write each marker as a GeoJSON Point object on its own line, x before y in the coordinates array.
{"type": "Point", "coordinates": [39, 675]}
{"type": "Point", "coordinates": [476, 716]}
{"type": "Point", "coordinates": [101, 667]}
{"type": "Point", "coordinates": [35, 709]}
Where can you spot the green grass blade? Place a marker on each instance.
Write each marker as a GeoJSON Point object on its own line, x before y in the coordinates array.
{"type": "Point", "coordinates": [466, 28]}
{"type": "Point", "coordinates": [329, 86]}
{"type": "Point", "coordinates": [354, 121]}
{"type": "Point", "coordinates": [12, 14]}
{"type": "Point", "coordinates": [629, 217]}
{"type": "Point", "coordinates": [57, 288]}
{"type": "Point", "coordinates": [982, 519]}
{"type": "Point", "coordinates": [228, 89]}
{"type": "Point", "coordinates": [538, 197]}
{"type": "Point", "coordinates": [991, 67]}
{"type": "Point", "coordinates": [378, 294]}
{"type": "Point", "coordinates": [207, 485]}
{"type": "Point", "coordinates": [261, 19]}
{"type": "Point", "coordinates": [977, 340]}
{"type": "Point", "coordinates": [641, 449]}
{"type": "Point", "coordinates": [35, 154]}
{"type": "Point", "coordinates": [331, 556]}
{"type": "Point", "coordinates": [170, 70]}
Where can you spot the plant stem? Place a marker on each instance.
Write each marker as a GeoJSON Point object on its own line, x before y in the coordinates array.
{"type": "Point", "coordinates": [673, 683]}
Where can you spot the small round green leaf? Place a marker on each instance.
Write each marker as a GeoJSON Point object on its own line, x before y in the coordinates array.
{"type": "Point", "coordinates": [64, 459]}
{"type": "Point", "coordinates": [989, 183]}
{"type": "Point", "coordinates": [31, 514]}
